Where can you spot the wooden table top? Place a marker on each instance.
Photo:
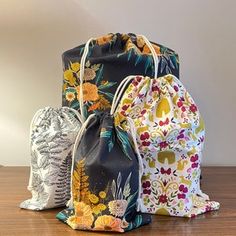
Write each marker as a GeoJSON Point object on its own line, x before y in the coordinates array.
{"type": "Point", "coordinates": [218, 182]}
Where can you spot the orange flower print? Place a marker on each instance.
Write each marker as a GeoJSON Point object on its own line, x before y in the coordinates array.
{"type": "Point", "coordinates": [90, 92]}
{"type": "Point", "coordinates": [108, 223]}
{"type": "Point", "coordinates": [105, 39]}
{"type": "Point", "coordinates": [146, 49]}
{"type": "Point", "coordinates": [83, 218]}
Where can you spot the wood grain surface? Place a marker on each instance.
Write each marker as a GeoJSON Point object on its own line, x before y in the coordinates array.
{"type": "Point", "coordinates": [218, 182]}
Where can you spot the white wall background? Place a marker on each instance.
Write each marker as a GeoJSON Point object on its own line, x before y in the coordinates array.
{"type": "Point", "coordinates": [34, 33]}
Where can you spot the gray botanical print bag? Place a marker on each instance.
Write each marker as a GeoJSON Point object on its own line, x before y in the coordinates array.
{"type": "Point", "coordinates": [52, 136]}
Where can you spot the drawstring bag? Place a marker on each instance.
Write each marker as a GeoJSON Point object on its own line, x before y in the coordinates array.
{"type": "Point", "coordinates": [109, 59]}
{"type": "Point", "coordinates": [52, 136]}
{"type": "Point", "coordinates": [106, 179]}
{"type": "Point", "coordinates": [170, 135]}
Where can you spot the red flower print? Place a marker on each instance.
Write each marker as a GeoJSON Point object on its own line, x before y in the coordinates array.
{"type": "Point", "coordinates": [183, 109]}
{"type": "Point", "coordinates": [125, 107]}
{"type": "Point", "coordinates": [163, 144]}
{"type": "Point", "coordinates": [146, 143]}
{"type": "Point", "coordinates": [162, 198]}
{"type": "Point", "coordinates": [144, 136]}
{"type": "Point", "coordinates": [155, 88]}
{"type": "Point", "coordinates": [143, 112]}
{"type": "Point", "coordinates": [163, 171]}
{"type": "Point", "coordinates": [166, 122]}
{"type": "Point", "coordinates": [194, 159]}
{"type": "Point", "coordinates": [181, 196]}
{"type": "Point", "coordinates": [193, 108]}
{"type": "Point", "coordinates": [146, 187]}
{"type": "Point", "coordinates": [136, 81]}
{"type": "Point", "coordinates": [179, 104]}
{"type": "Point", "coordinates": [183, 189]}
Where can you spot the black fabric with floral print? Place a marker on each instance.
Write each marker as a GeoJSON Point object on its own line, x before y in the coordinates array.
{"type": "Point", "coordinates": [111, 58]}
{"type": "Point", "coordinates": [105, 181]}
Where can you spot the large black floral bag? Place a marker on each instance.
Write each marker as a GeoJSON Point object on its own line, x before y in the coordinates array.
{"type": "Point", "coordinates": [110, 59]}
{"type": "Point", "coordinates": [105, 179]}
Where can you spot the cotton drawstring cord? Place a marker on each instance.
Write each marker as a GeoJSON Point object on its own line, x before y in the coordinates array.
{"type": "Point", "coordinates": [119, 93]}
{"type": "Point", "coordinates": [154, 55]}
{"type": "Point", "coordinates": [133, 132]}
{"type": "Point", "coordinates": [77, 141]}
{"type": "Point", "coordinates": [81, 76]}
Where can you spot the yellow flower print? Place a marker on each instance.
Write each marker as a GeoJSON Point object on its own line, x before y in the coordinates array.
{"type": "Point", "coordinates": [90, 92]}
{"type": "Point", "coordinates": [102, 194]}
{"type": "Point", "coordinates": [68, 76]}
{"type": "Point", "coordinates": [70, 96]}
{"type": "Point", "coordinates": [118, 207]}
{"type": "Point", "coordinates": [83, 218]}
{"type": "Point", "coordinates": [102, 207]}
{"type": "Point", "coordinates": [75, 66]}
{"type": "Point", "coordinates": [93, 198]}
{"type": "Point", "coordinates": [96, 210]}
{"type": "Point", "coordinates": [108, 223]}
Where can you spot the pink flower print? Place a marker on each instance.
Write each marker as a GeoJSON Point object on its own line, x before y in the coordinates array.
{"type": "Point", "coordinates": [163, 144]}
{"type": "Point", "coordinates": [146, 187]}
{"type": "Point", "coordinates": [193, 108]}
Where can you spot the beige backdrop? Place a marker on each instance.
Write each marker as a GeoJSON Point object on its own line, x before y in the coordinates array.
{"type": "Point", "coordinates": [34, 33]}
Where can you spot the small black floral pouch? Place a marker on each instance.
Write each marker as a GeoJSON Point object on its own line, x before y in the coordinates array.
{"type": "Point", "coordinates": [105, 180]}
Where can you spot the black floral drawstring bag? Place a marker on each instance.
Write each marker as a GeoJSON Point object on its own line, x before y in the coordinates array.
{"type": "Point", "coordinates": [106, 177]}
{"type": "Point", "coordinates": [110, 59]}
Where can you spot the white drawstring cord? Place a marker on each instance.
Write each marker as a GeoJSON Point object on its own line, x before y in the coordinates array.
{"type": "Point", "coordinates": [82, 68]}
{"type": "Point", "coordinates": [76, 113]}
{"type": "Point", "coordinates": [154, 54]}
{"type": "Point", "coordinates": [140, 206]}
{"type": "Point", "coordinates": [77, 140]}
{"type": "Point", "coordinates": [119, 92]}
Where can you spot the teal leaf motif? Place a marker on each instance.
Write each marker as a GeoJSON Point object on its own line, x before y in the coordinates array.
{"type": "Point", "coordinates": [136, 223]}
{"type": "Point", "coordinates": [148, 63]}
{"type": "Point", "coordinates": [124, 142]}
{"type": "Point", "coordinates": [99, 75]}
